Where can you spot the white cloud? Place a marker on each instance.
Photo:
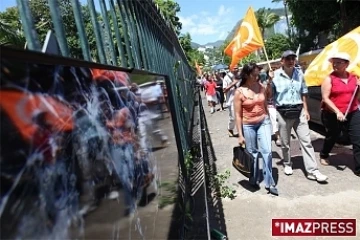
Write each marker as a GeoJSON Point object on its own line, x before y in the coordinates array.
{"type": "Point", "coordinates": [187, 21]}
{"type": "Point", "coordinates": [207, 24]}
{"type": "Point", "coordinates": [223, 11]}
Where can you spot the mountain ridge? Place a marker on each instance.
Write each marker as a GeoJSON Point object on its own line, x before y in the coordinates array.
{"type": "Point", "coordinates": [217, 43]}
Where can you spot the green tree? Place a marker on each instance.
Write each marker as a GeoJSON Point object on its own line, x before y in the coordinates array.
{"type": "Point", "coordinates": [10, 28]}
{"type": "Point", "coordinates": [11, 32]}
{"type": "Point", "coordinates": [276, 45]}
{"type": "Point", "coordinates": [169, 9]}
{"type": "Point", "coordinates": [192, 55]}
{"type": "Point", "coordinates": [266, 19]}
{"type": "Point", "coordinates": [321, 21]}
{"type": "Point", "coordinates": [249, 58]}
{"type": "Point", "coordinates": [226, 58]}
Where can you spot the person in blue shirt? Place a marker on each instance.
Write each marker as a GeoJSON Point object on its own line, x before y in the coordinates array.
{"type": "Point", "coordinates": [289, 92]}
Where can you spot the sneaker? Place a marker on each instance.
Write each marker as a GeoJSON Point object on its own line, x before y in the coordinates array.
{"type": "Point", "coordinates": [113, 195]}
{"type": "Point", "coordinates": [231, 133]}
{"type": "Point", "coordinates": [318, 176]}
{"type": "Point", "coordinates": [324, 162]}
{"type": "Point", "coordinates": [288, 170]}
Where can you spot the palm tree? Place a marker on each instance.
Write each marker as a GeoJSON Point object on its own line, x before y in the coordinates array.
{"type": "Point", "coordinates": [266, 19]}
{"type": "Point", "coordinates": [10, 36]}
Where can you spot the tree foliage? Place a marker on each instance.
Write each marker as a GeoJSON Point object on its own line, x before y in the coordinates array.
{"type": "Point", "coordinates": [11, 32]}
{"type": "Point", "coordinates": [249, 59]}
{"type": "Point", "coordinates": [169, 8]}
{"type": "Point", "coordinates": [193, 55]}
{"type": "Point", "coordinates": [266, 19]}
{"type": "Point", "coordinates": [226, 58]}
{"type": "Point", "coordinates": [43, 23]}
{"type": "Point", "coordinates": [276, 45]}
{"type": "Point", "coordinates": [321, 21]}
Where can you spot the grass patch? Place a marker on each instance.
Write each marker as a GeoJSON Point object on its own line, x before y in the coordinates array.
{"type": "Point", "coordinates": [168, 194]}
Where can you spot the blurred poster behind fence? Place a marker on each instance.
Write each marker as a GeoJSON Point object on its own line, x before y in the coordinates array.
{"type": "Point", "coordinates": [85, 152]}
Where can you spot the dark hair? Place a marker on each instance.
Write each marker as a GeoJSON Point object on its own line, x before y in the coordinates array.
{"type": "Point", "coordinates": [246, 71]}
{"type": "Point", "coordinates": [223, 74]}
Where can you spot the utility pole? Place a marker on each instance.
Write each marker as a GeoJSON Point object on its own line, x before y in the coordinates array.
{"type": "Point", "coordinates": [287, 20]}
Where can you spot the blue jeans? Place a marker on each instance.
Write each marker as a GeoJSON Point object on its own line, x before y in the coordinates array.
{"type": "Point", "coordinates": [255, 134]}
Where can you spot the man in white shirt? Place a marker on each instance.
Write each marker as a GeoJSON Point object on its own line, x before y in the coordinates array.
{"type": "Point", "coordinates": [230, 83]}
{"type": "Point", "coordinates": [149, 116]}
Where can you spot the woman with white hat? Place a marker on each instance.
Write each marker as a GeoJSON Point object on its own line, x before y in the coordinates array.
{"type": "Point", "coordinates": [340, 109]}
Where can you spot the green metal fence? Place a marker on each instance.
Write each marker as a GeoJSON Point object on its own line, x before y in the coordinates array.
{"type": "Point", "coordinates": [131, 34]}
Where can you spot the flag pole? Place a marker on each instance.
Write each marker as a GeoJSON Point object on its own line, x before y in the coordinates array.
{"type": "Point", "coordinates": [267, 58]}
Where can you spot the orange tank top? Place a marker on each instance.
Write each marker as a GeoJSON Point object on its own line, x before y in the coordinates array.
{"type": "Point", "coordinates": [254, 110]}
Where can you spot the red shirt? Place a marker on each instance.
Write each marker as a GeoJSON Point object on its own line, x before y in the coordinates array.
{"type": "Point", "coordinates": [210, 88]}
{"type": "Point", "coordinates": [341, 93]}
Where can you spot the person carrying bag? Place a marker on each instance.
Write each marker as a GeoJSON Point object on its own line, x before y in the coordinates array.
{"type": "Point", "coordinates": [254, 128]}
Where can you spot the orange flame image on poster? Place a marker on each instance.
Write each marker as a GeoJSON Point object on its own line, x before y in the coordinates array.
{"type": "Point", "coordinates": [21, 107]}
{"type": "Point", "coordinates": [320, 67]}
{"type": "Point", "coordinates": [115, 76]}
{"type": "Point", "coordinates": [247, 39]}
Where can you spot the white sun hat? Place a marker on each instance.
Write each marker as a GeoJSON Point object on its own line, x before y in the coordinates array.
{"type": "Point", "coordinates": [340, 55]}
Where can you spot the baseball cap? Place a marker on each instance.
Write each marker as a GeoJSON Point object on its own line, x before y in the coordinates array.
{"type": "Point", "coordinates": [341, 55]}
{"type": "Point", "coordinates": [288, 53]}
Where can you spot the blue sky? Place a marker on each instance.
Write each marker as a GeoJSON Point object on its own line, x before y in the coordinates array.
{"type": "Point", "coordinates": [205, 20]}
{"type": "Point", "coordinates": [212, 20]}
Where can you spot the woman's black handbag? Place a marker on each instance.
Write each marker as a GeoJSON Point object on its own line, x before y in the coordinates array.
{"type": "Point", "coordinates": [243, 161]}
{"type": "Point", "coordinates": [290, 111]}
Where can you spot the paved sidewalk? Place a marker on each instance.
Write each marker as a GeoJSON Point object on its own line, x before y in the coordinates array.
{"type": "Point", "coordinates": [249, 215]}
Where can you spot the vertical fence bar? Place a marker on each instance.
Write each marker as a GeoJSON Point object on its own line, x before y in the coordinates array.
{"type": "Point", "coordinates": [28, 25]}
{"type": "Point", "coordinates": [147, 23]}
{"type": "Point", "coordinates": [134, 41]}
{"type": "Point", "coordinates": [81, 29]}
{"type": "Point", "coordinates": [95, 23]}
{"type": "Point", "coordinates": [154, 44]}
{"type": "Point", "coordinates": [150, 57]}
{"type": "Point", "coordinates": [125, 29]}
{"type": "Point", "coordinates": [108, 31]}
{"type": "Point", "coordinates": [55, 13]}
{"type": "Point", "coordinates": [142, 42]}
{"type": "Point", "coordinates": [120, 46]}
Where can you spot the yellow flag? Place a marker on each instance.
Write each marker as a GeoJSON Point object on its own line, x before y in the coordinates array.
{"type": "Point", "coordinates": [320, 67]}
{"type": "Point", "coordinates": [247, 40]}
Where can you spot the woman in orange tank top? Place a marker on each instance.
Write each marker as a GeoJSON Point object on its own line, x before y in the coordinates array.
{"type": "Point", "coordinates": [253, 123]}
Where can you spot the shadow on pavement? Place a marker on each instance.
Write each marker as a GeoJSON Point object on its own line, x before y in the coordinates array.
{"type": "Point", "coordinates": [216, 211]}
{"type": "Point", "coordinates": [251, 188]}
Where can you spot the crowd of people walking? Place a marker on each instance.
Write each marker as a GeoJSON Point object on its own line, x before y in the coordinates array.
{"type": "Point", "coordinates": [267, 104]}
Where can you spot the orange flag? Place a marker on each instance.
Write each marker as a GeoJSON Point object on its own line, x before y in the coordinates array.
{"type": "Point", "coordinates": [248, 39]}
{"type": "Point", "coordinates": [199, 72]}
